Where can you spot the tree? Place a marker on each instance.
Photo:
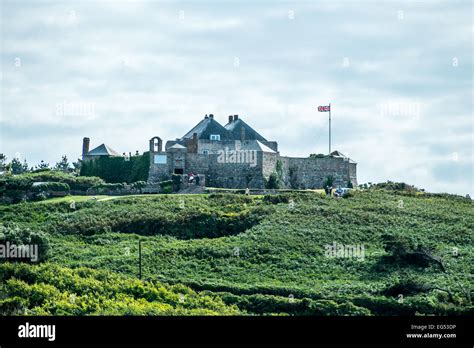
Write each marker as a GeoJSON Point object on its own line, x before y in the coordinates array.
{"type": "Point", "coordinates": [42, 165]}
{"type": "Point", "coordinates": [18, 167]}
{"type": "Point", "coordinates": [63, 165]}
{"type": "Point", "coordinates": [25, 166]}
{"type": "Point", "coordinates": [3, 162]}
{"type": "Point", "coordinates": [329, 181]}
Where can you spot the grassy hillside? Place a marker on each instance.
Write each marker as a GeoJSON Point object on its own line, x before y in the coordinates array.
{"type": "Point", "coordinates": [253, 255]}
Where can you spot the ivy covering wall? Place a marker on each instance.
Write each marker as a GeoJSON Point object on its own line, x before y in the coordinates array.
{"type": "Point", "coordinates": [117, 169]}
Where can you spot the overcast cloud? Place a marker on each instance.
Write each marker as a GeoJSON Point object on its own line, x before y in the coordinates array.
{"type": "Point", "coordinates": [398, 75]}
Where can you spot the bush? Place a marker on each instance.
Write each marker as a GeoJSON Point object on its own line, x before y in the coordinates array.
{"type": "Point", "coordinates": [406, 250]}
{"type": "Point", "coordinates": [49, 289]}
{"type": "Point", "coordinates": [82, 183]}
{"type": "Point", "coordinates": [41, 196]}
{"type": "Point", "coordinates": [176, 179]}
{"type": "Point", "coordinates": [166, 186]}
{"type": "Point", "coordinates": [138, 185]}
{"type": "Point", "coordinates": [24, 236]}
{"type": "Point", "coordinates": [406, 286]}
{"type": "Point", "coordinates": [275, 199]}
{"type": "Point", "coordinates": [394, 186]}
{"type": "Point", "coordinates": [329, 181]}
{"type": "Point", "coordinates": [107, 187]}
{"type": "Point", "coordinates": [117, 169]}
{"type": "Point", "coordinates": [23, 182]}
{"type": "Point", "coordinates": [51, 187]}
{"type": "Point", "coordinates": [13, 306]}
{"type": "Point", "coordinates": [273, 182]}
{"type": "Point", "coordinates": [223, 199]}
{"type": "Point", "coordinates": [348, 194]}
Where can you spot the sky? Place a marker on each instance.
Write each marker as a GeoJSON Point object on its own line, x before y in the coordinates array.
{"type": "Point", "coordinates": [398, 75]}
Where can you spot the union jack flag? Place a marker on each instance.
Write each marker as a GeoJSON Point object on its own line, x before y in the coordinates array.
{"type": "Point", "coordinates": [324, 108]}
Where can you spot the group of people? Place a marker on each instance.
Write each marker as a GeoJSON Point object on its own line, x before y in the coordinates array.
{"type": "Point", "coordinates": [192, 177]}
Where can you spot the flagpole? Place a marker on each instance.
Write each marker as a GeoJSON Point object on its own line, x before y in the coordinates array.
{"type": "Point", "coordinates": [329, 128]}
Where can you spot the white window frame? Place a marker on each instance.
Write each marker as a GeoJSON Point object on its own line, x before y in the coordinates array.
{"type": "Point", "coordinates": [205, 152]}
{"type": "Point", "coordinates": [216, 137]}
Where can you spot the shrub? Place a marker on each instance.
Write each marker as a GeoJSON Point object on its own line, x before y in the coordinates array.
{"type": "Point", "coordinates": [23, 182]}
{"type": "Point", "coordinates": [166, 186]}
{"type": "Point", "coordinates": [41, 196]}
{"type": "Point", "coordinates": [139, 185]}
{"type": "Point", "coordinates": [348, 194]}
{"type": "Point", "coordinates": [176, 179]}
{"type": "Point", "coordinates": [273, 182]}
{"type": "Point", "coordinates": [51, 187]}
{"type": "Point", "coordinates": [275, 199]}
{"type": "Point", "coordinates": [13, 306]}
{"type": "Point", "coordinates": [394, 186]}
{"type": "Point", "coordinates": [329, 181]}
{"type": "Point", "coordinates": [82, 183]}
{"type": "Point", "coordinates": [107, 188]}
{"type": "Point", "coordinates": [222, 199]}
{"type": "Point", "coordinates": [117, 169]}
{"type": "Point", "coordinates": [406, 249]}
{"type": "Point", "coordinates": [25, 237]}
{"type": "Point", "coordinates": [406, 286]}
{"type": "Point", "coordinates": [49, 289]}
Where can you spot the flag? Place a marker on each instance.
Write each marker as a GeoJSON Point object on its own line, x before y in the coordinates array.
{"type": "Point", "coordinates": [324, 108]}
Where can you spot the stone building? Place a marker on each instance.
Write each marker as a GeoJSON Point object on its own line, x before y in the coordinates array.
{"type": "Point", "coordinates": [237, 156]}
{"type": "Point", "coordinates": [99, 151]}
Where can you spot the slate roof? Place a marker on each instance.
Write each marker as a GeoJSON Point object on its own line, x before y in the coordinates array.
{"type": "Point", "coordinates": [338, 154]}
{"type": "Point", "coordinates": [177, 146]}
{"type": "Point", "coordinates": [103, 150]}
{"type": "Point", "coordinates": [205, 128]}
{"type": "Point", "coordinates": [257, 146]}
{"type": "Point", "coordinates": [250, 133]}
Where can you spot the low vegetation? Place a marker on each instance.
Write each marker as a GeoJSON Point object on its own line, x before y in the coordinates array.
{"type": "Point", "coordinates": [232, 254]}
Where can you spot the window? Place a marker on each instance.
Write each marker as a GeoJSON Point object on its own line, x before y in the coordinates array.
{"type": "Point", "coordinates": [205, 152]}
{"type": "Point", "coordinates": [160, 159]}
{"type": "Point", "coordinates": [215, 137]}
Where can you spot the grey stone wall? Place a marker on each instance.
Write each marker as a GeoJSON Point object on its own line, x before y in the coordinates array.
{"type": "Point", "coordinates": [158, 172]}
{"type": "Point", "coordinates": [269, 163]}
{"type": "Point", "coordinates": [215, 146]}
{"type": "Point", "coordinates": [298, 173]}
{"type": "Point", "coordinates": [229, 175]}
{"type": "Point", "coordinates": [306, 173]}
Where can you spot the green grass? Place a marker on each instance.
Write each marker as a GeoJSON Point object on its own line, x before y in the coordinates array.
{"type": "Point", "coordinates": [269, 258]}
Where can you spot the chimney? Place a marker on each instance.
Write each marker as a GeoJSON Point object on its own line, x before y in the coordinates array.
{"type": "Point", "coordinates": [230, 118]}
{"type": "Point", "coordinates": [211, 115]}
{"type": "Point", "coordinates": [85, 146]}
{"type": "Point", "coordinates": [192, 145]}
{"type": "Point", "coordinates": [205, 116]}
{"type": "Point", "coordinates": [242, 133]}
{"type": "Point", "coordinates": [236, 117]}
